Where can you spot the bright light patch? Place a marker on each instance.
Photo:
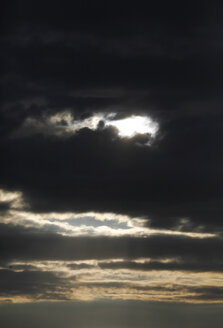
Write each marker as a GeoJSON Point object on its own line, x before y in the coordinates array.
{"type": "Point", "coordinates": [64, 124]}
{"type": "Point", "coordinates": [131, 126]}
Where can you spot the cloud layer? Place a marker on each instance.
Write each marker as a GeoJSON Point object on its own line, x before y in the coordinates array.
{"type": "Point", "coordinates": [90, 212]}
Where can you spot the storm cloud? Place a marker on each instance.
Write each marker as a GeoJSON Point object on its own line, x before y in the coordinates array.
{"type": "Point", "coordinates": [94, 210]}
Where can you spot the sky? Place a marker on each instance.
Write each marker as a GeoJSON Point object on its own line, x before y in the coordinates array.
{"type": "Point", "coordinates": [111, 130]}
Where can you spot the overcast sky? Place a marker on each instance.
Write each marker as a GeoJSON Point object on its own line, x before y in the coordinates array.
{"type": "Point", "coordinates": [111, 130]}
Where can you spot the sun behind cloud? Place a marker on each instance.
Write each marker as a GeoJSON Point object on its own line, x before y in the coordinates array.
{"type": "Point", "coordinates": [64, 124]}
{"type": "Point", "coordinates": [130, 126]}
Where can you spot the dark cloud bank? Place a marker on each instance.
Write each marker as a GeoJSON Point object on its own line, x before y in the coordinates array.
{"type": "Point", "coordinates": [36, 245]}
{"type": "Point", "coordinates": [164, 61]}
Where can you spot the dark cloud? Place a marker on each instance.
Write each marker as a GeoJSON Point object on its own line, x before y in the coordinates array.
{"type": "Point", "coordinates": [32, 284]}
{"type": "Point", "coordinates": [77, 266]}
{"type": "Point", "coordinates": [4, 206]}
{"type": "Point", "coordinates": [38, 285]}
{"type": "Point", "coordinates": [211, 293]}
{"type": "Point", "coordinates": [206, 293]}
{"type": "Point", "coordinates": [166, 182]}
{"type": "Point", "coordinates": [22, 267]}
{"type": "Point", "coordinates": [170, 266]}
{"type": "Point", "coordinates": [163, 60]}
{"type": "Point", "coordinates": [19, 244]}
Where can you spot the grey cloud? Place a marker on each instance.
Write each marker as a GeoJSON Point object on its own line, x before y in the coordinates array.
{"type": "Point", "coordinates": [78, 266]}
{"type": "Point", "coordinates": [164, 61]}
{"type": "Point", "coordinates": [116, 176]}
{"type": "Point", "coordinates": [33, 284]}
{"type": "Point", "coordinates": [30, 244]}
{"type": "Point", "coordinates": [206, 293]}
{"type": "Point", "coordinates": [183, 265]}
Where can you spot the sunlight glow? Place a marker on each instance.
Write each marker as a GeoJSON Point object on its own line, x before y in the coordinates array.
{"type": "Point", "coordinates": [131, 126]}
{"type": "Point", "coordinates": [64, 124]}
